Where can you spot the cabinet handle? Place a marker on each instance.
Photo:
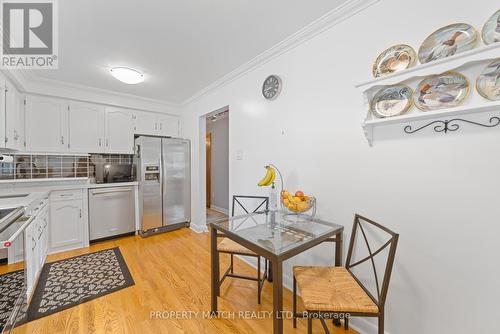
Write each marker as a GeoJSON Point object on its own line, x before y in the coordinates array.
{"type": "Point", "coordinates": [16, 135]}
{"type": "Point", "coordinates": [160, 126]}
{"type": "Point", "coordinates": [107, 142]}
{"type": "Point", "coordinates": [100, 142]}
{"type": "Point", "coordinates": [62, 140]}
{"type": "Point", "coordinates": [80, 213]}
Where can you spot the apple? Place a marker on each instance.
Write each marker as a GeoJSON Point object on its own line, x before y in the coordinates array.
{"type": "Point", "coordinates": [299, 194]}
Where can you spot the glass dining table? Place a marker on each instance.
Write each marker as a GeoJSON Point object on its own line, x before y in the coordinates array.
{"type": "Point", "coordinates": [277, 236]}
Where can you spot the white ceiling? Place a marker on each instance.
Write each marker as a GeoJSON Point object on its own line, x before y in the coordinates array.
{"type": "Point", "coordinates": [182, 46]}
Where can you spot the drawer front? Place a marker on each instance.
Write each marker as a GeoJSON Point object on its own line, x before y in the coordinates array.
{"type": "Point", "coordinates": [66, 195]}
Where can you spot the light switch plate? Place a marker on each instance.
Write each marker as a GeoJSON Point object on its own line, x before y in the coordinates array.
{"type": "Point", "coordinates": [239, 155]}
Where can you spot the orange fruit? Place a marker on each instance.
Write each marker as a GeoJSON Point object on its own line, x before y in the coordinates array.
{"type": "Point", "coordinates": [299, 194]}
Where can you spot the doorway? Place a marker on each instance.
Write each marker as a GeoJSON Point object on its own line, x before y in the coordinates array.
{"type": "Point", "coordinates": [217, 165]}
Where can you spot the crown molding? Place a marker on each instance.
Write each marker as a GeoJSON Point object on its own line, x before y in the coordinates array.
{"type": "Point", "coordinates": [325, 22]}
{"type": "Point", "coordinates": [28, 83]}
{"type": "Point", "coordinates": [37, 82]}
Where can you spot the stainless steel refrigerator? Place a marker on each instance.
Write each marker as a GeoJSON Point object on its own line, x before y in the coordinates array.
{"type": "Point", "coordinates": [163, 172]}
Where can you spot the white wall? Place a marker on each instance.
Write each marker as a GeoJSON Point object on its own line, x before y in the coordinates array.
{"type": "Point", "coordinates": [220, 162]}
{"type": "Point", "coordinates": [440, 192]}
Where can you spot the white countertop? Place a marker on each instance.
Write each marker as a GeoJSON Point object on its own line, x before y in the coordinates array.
{"type": "Point", "coordinates": [37, 190]}
{"type": "Point", "coordinates": [15, 202]}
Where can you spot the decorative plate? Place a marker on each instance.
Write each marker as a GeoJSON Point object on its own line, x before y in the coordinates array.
{"type": "Point", "coordinates": [391, 101]}
{"type": "Point", "coordinates": [396, 58]}
{"type": "Point", "coordinates": [488, 82]}
{"type": "Point", "coordinates": [491, 29]}
{"type": "Point", "coordinates": [445, 90]}
{"type": "Point", "coordinates": [447, 41]}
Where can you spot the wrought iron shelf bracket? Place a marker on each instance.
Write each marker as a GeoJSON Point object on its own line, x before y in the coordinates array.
{"type": "Point", "coordinates": [452, 125]}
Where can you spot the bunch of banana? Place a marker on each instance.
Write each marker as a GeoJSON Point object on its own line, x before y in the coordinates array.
{"type": "Point", "coordinates": [269, 178]}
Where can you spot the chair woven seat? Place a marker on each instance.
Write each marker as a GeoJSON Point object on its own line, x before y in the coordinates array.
{"type": "Point", "coordinates": [229, 246]}
{"type": "Point", "coordinates": [332, 289]}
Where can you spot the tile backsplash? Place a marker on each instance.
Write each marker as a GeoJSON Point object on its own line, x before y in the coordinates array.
{"type": "Point", "coordinates": [114, 159]}
{"type": "Point", "coordinates": [40, 166]}
{"type": "Point", "coordinates": [37, 166]}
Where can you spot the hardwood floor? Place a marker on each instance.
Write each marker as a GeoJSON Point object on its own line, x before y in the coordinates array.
{"type": "Point", "coordinates": [214, 215]}
{"type": "Point", "coordinates": [171, 273]}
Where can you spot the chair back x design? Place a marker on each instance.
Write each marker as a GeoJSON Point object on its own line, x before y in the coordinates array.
{"type": "Point", "coordinates": [260, 203]}
{"type": "Point", "coordinates": [361, 225]}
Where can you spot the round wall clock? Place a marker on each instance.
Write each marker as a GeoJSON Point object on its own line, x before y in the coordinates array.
{"type": "Point", "coordinates": [271, 87]}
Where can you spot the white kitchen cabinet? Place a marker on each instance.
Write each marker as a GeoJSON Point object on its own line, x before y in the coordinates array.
{"type": "Point", "coordinates": [146, 123]}
{"type": "Point", "coordinates": [30, 245]}
{"type": "Point", "coordinates": [43, 236]}
{"type": "Point", "coordinates": [119, 131]}
{"type": "Point", "coordinates": [14, 119]}
{"type": "Point", "coordinates": [36, 250]}
{"type": "Point", "coordinates": [46, 124]}
{"type": "Point", "coordinates": [86, 128]}
{"type": "Point", "coordinates": [67, 221]}
{"type": "Point", "coordinates": [168, 126]}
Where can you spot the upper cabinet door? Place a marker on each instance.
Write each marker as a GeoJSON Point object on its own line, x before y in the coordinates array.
{"type": "Point", "coordinates": [14, 119]}
{"type": "Point", "coordinates": [145, 123]}
{"type": "Point", "coordinates": [86, 128]}
{"type": "Point", "coordinates": [46, 124]}
{"type": "Point", "coordinates": [168, 126]}
{"type": "Point", "coordinates": [119, 131]}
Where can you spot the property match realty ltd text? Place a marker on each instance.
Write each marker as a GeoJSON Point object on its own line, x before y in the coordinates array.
{"type": "Point", "coordinates": [29, 34]}
{"type": "Point", "coordinates": [250, 315]}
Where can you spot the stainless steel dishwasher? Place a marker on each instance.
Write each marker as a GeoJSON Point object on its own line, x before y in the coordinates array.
{"type": "Point", "coordinates": [111, 212]}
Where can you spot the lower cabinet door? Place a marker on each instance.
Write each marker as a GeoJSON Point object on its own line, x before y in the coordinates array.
{"type": "Point", "coordinates": [67, 227]}
{"type": "Point", "coordinates": [30, 244]}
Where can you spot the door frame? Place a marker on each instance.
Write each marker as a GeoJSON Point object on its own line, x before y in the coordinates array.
{"type": "Point", "coordinates": [201, 208]}
{"type": "Point", "coordinates": [208, 171]}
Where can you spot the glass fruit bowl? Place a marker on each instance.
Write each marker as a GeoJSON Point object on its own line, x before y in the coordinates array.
{"type": "Point", "coordinates": [297, 203]}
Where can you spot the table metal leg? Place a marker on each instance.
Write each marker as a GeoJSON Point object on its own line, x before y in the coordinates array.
{"type": "Point", "coordinates": [338, 249]}
{"type": "Point", "coordinates": [277, 266]}
{"type": "Point", "coordinates": [270, 272]}
{"type": "Point", "coordinates": [214, 273]}
{"type": "Point", "coordinates": [338, 260]}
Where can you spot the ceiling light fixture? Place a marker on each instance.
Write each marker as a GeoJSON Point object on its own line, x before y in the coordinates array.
{"type": "Point", "coordinates": [127, 75]}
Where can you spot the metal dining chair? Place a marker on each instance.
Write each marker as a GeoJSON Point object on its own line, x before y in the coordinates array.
{"type": "Point", "coordinates": [336, 292]}
{"type": "Point", "coordinates": [232, 248]}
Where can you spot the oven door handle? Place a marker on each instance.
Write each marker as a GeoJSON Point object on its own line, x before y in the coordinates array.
{"type": "Point", "coordinates": [20, 230]}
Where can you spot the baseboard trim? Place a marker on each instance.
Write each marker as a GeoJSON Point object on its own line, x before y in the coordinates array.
{"type": "Point", "coordinates": [219, 209]}
{"type": "Point", "coordinates": [198, 228]}
{"type": "Point", "coordinates": [362, 325]}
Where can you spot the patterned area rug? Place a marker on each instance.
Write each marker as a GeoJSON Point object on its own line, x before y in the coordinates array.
{"type": "Point", "coordinates": [69, 282]}
{"type": "Point", "coordinates": [11, 284]}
